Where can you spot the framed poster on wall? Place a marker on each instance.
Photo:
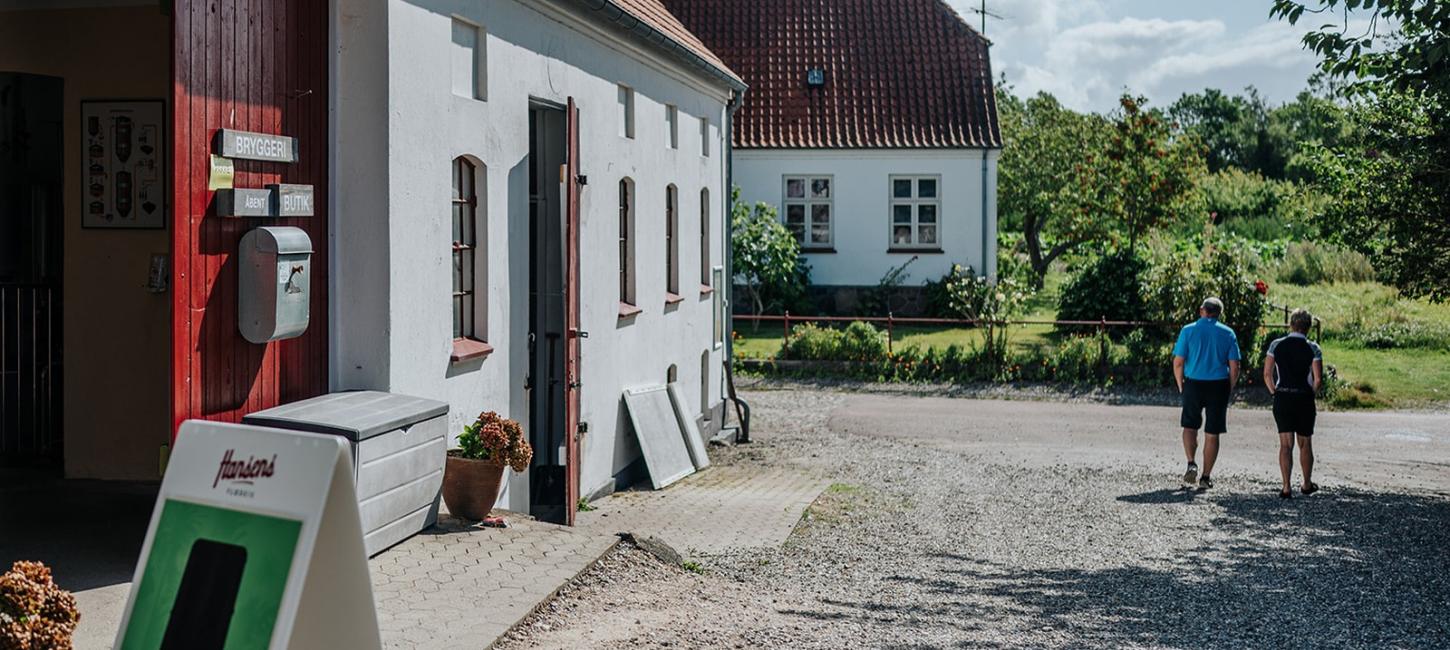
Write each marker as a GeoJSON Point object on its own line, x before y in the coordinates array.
{"type": "Point", "coordinates": [123, 164]}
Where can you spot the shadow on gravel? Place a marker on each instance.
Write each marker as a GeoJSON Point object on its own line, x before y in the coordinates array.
{"type": "Point", "coordinates": [1179, 495]}
{"type": "Point", "coordinates": [1346, 568]}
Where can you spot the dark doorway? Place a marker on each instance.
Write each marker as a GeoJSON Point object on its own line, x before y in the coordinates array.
{"type": "Point", "coordinates": [548, 489]}
{"type": "Point", "coordinates": [31, 177]}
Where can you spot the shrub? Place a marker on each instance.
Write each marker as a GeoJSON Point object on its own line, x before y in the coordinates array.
{"type": "Point", "coordinates": [860, 342]}
{"type": "Point", "coordinates": [1176, 285]}
{"type": "Point", "coordinates": [1306, 263]}
{"type": "Point", "coordinates": [1252, 206]}
{"type": "Point", "coordinates": [34, 612]}
{"type": "Point", "coordinates": [1110, 287]}
{"type": "Point", "coordinates": [938, 297]}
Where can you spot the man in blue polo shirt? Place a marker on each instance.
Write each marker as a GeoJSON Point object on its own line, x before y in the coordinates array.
{"type": "Point", "coordinates": [1206, 365]}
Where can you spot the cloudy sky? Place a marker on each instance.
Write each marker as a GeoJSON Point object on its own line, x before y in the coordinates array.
{"type": "Point", "coordinates": [1087, 51]}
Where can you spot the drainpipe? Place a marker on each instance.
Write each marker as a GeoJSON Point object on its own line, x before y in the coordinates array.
{"type": "Point", "coordinates": [988, 269]}
{"type": "Point", "coordinates": [742, 410]}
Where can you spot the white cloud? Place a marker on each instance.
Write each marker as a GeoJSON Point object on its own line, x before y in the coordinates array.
{"type": "Point", "coordinates": [1087, 56]}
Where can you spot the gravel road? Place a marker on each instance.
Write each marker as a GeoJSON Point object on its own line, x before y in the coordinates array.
{"type": "Point", "coordinates": [964, 523]}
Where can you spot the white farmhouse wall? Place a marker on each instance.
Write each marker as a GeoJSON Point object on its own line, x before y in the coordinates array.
{"type": "Point", "coordinates": [862, 180]}
{"type": "Point", "coordinates": [399, 127]}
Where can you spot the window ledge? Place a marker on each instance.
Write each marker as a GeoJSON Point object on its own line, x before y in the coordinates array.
{"type": "Point", "coordinates": [706, 289]}
{"type": "Point", "coordinates": [673, 298]}
{"type": "Point", "coordinates": [627, 310]}
{"type": "Point", "coordinates": [916, 251]}
{"type": "Point", "coordinates": [829, 250]}
{"type": "Point", "coordinates": [468, 350]}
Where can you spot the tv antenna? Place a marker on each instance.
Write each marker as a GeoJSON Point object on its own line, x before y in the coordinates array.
{"type": "Point", "coordinates": [985, 14]}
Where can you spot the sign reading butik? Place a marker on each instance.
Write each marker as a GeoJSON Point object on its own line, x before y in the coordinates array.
{"type": "Point", "coordinates": [255, 542]}
{"type": "Point", "coordinates": [277, 200]}
{"type": "Point", "coordinates": [256, 146]}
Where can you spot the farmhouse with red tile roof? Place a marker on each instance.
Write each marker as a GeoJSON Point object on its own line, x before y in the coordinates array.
{"type": "Point", "coordinates": [872, 124]}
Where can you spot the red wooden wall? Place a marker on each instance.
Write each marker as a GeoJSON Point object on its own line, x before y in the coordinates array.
{"type": "Point", "coordinates": [253, 65]}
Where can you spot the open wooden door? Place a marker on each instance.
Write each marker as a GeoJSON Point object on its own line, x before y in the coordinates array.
{"type": "Point", "coordinates": [250, 65]}
{"type": "Point", "coordinates": [572, 188]}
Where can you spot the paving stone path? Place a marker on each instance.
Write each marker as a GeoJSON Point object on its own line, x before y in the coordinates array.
{"type": "Point", "coordinates": [461, 585]}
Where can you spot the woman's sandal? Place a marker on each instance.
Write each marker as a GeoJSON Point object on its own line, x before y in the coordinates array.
{"type": "Point", "coordinates": [1309, 488]}
{"type": "Point", "coordinates": [1286, 494]}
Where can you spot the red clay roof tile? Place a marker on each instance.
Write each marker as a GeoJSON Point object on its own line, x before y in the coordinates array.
{"type": "Point", "coordinates": [654, 14]}
{"type": "Point", "coordinates": [898, 73]}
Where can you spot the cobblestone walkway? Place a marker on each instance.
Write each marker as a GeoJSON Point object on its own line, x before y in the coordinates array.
{"type": "Point", "coordinates": [457, 586]}
{"type": "Point", "coordinates": [723, 508]}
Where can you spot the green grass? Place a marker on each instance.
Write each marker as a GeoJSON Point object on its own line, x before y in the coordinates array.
{"type": "Point", "coordinates": [765, 342]}
{"type": "Point", "coordinates": [1408, 377]}
{"type": "Point", "coordinates": [1346, 306]}
{"type": "Point", "coordinates": [1403, 378]}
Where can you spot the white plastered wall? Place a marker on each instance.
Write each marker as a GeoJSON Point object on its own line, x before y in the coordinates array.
{"type": "Point", "coordinates": [861, 207]}
{"type": "Point", "coordinates": [399, 125]}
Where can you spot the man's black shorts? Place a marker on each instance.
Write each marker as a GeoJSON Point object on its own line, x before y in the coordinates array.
{"type": "Point", "coordinates": [1294, 412]}
{"type": "Point", "coordinates": [1200, 397]}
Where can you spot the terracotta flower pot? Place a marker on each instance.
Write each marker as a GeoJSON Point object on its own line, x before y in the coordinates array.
{"type": "Point", "coordinates": [470, 487]}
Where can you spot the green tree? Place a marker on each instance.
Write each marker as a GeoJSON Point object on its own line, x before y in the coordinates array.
{"type": "Point", "coordinates": [764, 254]}
{"type": "Point", "coordinates": [1303, 125]}
{"type": "Point", "coordinates": [1391, 180]}
{"type": "Point", "coordinates": [1391, 189]}
{"type": "Point", "coordinates": [1046, 155]}
{"type": "Point", "coordinates": [1147, 176]}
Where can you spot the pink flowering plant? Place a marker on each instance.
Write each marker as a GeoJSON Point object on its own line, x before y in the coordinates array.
{"type": "Point", "coordinates": [495, 439]}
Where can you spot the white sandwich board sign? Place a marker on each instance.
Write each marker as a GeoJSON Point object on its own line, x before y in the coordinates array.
{"type": "Point", "coordinates": [255, 542]}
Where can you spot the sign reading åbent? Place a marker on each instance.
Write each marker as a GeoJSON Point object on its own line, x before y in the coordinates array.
{"type": "Point", "coordinates": [255, 542]}
{"type": "Point", "coordinates": [256, 146]}
{"type": "Point", "coordinates": [278, 200]}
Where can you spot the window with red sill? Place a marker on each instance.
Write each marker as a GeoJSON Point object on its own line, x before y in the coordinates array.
{"type": "Point", "coordinates": [470, 325]}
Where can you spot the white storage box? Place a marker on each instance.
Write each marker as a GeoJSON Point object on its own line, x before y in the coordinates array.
{"type": "Point", "coordinates": [399, 444]}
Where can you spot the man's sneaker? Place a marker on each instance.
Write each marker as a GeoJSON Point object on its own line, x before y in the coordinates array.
{"type": "Point", "coordinates": [1190, 477]}
{"type": "Point", "coordinates": [1204, 482]}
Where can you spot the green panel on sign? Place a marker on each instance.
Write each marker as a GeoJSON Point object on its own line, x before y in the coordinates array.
{"type": "Point", "coordinates": [269, 544]}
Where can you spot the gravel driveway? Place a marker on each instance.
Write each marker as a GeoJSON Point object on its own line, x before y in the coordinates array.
{"type": "Point", "coordinates": [962, 523]}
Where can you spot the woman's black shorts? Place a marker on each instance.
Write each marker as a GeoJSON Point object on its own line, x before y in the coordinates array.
{"type": "Point", "coordinates": [1200, 397]}
{"type": "Point", "coordinates": [1294, 412]}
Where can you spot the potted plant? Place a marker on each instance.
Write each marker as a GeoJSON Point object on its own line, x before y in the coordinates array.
{"type": "Point", "coordinates": [474, 471]}
{"type": "Point", "coordinates": [34, 612]}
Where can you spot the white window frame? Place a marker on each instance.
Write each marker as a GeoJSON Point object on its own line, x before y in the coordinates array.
{"type": "Point", "coordinates": [810, 202]}
{"type": "Point", "coordinates": [915, 202]}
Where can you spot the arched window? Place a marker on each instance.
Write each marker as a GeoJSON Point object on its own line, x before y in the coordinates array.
{"type": "Point", "coordinates": [470, 306]}
{"type": "Point", "coordinates": [626, 241]}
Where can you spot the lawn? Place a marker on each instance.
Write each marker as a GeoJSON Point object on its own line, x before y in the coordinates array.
{"type": "Point", "coordinates": [1406, 377]}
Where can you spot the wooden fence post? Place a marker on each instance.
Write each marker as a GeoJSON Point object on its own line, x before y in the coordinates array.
{"type": "Point", "coordinates": [890, 350]}
{"type": "Point", "coordinates": [785, 336]}
{"type": "Point", "coordinates": [1103, 347]}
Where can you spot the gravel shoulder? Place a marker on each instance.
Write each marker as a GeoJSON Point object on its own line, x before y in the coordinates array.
{"type": "Point", "coordinates": [930, 538]}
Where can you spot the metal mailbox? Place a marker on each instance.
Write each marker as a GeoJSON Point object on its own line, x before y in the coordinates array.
{"type": "Point", "coordinates": [399, 445]}
{"type": "Point", "coordinates": [275, 275]}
